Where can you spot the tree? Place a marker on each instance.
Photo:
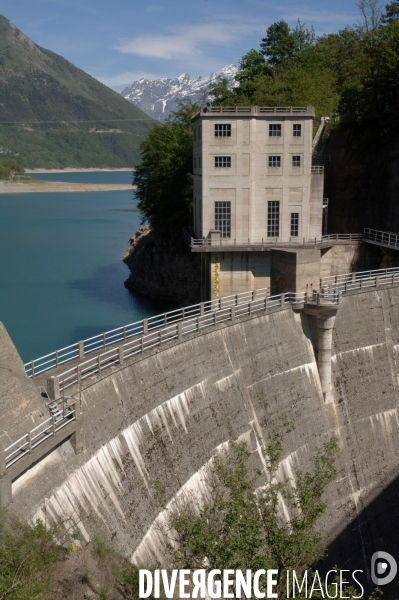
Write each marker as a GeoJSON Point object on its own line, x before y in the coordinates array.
{"type": "Point", "coordinates": [164, 176]}
{"type": "Point", "coordinates": [278, 45]}
{"type": "Point", "coordinates": [371, 12]}
{"type": "Point", "coordinates": [391, 13]}
{"type": "Point", "coordinates": [242, 526]}
{"type": "Point", "coordinates": [282, 43]}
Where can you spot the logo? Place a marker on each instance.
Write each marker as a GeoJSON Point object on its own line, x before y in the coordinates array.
{"type": "Point", "coordinates": [383, 568]}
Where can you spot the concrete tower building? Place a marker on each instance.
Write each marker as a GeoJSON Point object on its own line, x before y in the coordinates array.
{"type": "Point", "coordinates": [255, 191]}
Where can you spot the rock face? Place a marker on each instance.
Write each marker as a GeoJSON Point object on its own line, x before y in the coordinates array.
{"type": "Point", "coordinates": [162, 269]}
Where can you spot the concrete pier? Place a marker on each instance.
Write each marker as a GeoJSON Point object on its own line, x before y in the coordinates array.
{"type": "Point", "coordinates": [325, 316]}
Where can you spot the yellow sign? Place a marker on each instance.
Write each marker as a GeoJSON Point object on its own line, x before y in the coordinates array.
{"type": "Point", "coordinates": [216, 277]}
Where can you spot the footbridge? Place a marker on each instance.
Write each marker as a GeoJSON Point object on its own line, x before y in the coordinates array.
{"type": "Point", "coordinates": [147, 406]}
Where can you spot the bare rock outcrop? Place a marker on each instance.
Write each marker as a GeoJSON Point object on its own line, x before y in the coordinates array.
{"type": "Point", "coordinates": [162, 269]}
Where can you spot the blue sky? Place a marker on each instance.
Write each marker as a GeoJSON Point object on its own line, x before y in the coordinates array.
{"type": "Point", "coordinates": [119, 41]}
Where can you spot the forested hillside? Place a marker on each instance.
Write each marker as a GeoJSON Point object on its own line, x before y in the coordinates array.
{"type": "Point", "coordinates": [52, 114]}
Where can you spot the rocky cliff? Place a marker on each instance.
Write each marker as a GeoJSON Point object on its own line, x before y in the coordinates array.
{"type": "Point", "coordinates": [362, 182]}
{"type": "Point", "coordinates": [163, 269]}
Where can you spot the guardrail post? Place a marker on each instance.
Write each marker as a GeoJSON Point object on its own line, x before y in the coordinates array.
{"type": "Point", "coordinates": [233, 314]}
{"type": "Point", "coordinates": [180, 331]}
{"type": "Point", "coordinates": [120, 355]}
{"type": "Point", "coordinates": [32, 368]}
{"type": "Point", "coordinates": [104, 341]}
{"type": "Point", "coordinates": [53, 387]}
{"type": "Point", "coordinates": [99, 364]}
{"type": "Point", "coordinates": [77, 438]}
{"type": "Point", "coordinates": [214, 318]}
{"type": "Point", "coordinates": [377, 281]}
{"type": "Point", "coordinates": [52, 424]}
{"type": "Point", "coordinates": [145, 326]}
{"type": "Point", "coordinates": [81, 349]}
{"type": "Point", "coordinates": [201, 308]}
{"type": "Point", "coordinates": [282, 299]}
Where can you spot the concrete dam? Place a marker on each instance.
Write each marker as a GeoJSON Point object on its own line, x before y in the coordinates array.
{"type": "Point", "coordinates": [160, 416]}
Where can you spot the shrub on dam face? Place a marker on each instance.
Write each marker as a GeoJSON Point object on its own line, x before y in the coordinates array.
{"type": "Point", "coordinates": [256, 521]}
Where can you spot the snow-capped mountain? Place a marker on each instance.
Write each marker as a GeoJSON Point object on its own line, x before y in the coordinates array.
{"type": "Point", "coordinates": [158, 97]}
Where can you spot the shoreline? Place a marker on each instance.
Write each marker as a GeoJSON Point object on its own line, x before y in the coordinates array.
{"type": "Point", "coordinates": [73, 170]}
{"type": "Point", "coordinates": [13, 187]}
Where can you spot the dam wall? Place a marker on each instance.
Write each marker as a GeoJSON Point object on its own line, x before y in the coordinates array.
{"type": "Point", "coordinates": [156, 421]}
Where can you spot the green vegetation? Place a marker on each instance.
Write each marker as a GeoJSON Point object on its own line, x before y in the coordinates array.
{"type": "Point", "coordinates": [242, 528]}
{"type": "Point", "coordinates": [10, 169]}
{"type": "Point", "coordinates": [164, 176]}
{"type": "Point", "coordinates": [26, 558]}
{"type": "Point", "coordinates": [350, 75]}
{"type": "Point", "coordinates": [55, 115]}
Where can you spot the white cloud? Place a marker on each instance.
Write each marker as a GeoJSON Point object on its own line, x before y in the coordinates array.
{"type": "Point", "coordinates": [187, 41]}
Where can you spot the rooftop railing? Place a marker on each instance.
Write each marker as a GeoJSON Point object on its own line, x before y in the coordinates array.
{"type": "Point", "coordinates": [254, 110]}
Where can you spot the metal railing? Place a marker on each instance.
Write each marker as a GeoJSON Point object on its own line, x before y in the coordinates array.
{"type": "Point", "coordinates": [330, 290]}
{"type": "Point", "coordinates": [224, 310]}
{"type": "Point", "coordinates": [317, 169]}
{"type": "Point", "coordinates": [274, 242]}
{"type": "Point", "coordinates": [255, 109]}
{"type": "Point", "coordinates": [84, 347]}
{"type": "Point", "coordinates": [65, 415]}
{"type": "Point", "coordinates": [382, 238]}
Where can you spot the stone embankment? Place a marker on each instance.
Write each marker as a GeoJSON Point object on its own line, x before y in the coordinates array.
{"type": "Point", "coordinates": [162, 269]}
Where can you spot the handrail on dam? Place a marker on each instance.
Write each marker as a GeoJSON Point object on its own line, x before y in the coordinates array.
{"type": "Point", "coordinates": [67, 412]}
{"type": "Point", "coordinates": [381, 238]}
{"type": "Point", "coordinates": [192, 320]}
{"type": "Point", "coordinates": [80, 349]}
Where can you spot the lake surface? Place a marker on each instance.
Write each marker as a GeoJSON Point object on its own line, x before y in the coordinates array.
{"type": "Point", "coordinates": [61, 269]}
{"type": "Point", "coordinates": [87, 177]}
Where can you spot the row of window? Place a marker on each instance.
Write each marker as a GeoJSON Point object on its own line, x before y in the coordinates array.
{"type": "Point", "coordinates": [223, 219]}
{"type": "Point", "coordinates": [224, 130]}
{"type": "Point", "coordinates": [224, 162]}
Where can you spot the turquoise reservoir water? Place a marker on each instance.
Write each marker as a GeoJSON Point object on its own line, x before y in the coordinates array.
{"type": "Point", "coordinates": [61, 269]}
{"type": "Point", "coordinates": [87, 177]}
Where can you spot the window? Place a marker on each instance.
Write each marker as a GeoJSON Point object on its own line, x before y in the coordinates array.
{"type": "Point", "coordinates": [297, 130]}
{"type": "Point", "coordinates": [223, 218]}
{"type": "Point", "coordinates": [200, 162]}
{"type": "Point", "coordinates": [294, 224]}
{"type": "Point", "coordinates": [273, 218]}
{"type": "Point", "coordinates": [274, 161]}
{"type": "Point", "coordinates": [296, 161]}
{"type": "Point", "coordinates": [223, 161]}
{"type": "Point", "coordinates": [274, 130]}
{"type": "Point", "coordinates": [223, 130]}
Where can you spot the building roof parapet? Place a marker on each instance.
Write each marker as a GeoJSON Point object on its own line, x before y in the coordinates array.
{"type": "Point", "coordinates": [212, 111]}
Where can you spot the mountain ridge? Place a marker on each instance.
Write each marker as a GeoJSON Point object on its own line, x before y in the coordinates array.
{"type": "Point", "coordinates": [158, 97]}
{"type": "Point", "coordinates": [53, 114]}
